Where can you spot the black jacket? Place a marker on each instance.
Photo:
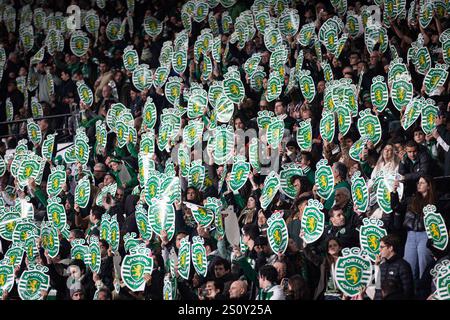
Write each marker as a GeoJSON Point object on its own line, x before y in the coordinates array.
{"type": "Point", "coordinates": [347, 235]}
{"type": "Point", "coordinates": [324, 270]}
{"type": "Point", "coordinates": [399, 270]}
{"type": "Point", "coordinates": [414, 221]}
{"type": "Point", "coordinates": [412, 171]}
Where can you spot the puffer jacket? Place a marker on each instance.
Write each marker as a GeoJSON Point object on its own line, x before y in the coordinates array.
{"type": "Point", "coordinates": [414, 221]}
{"type": "Point", "coordinates": [398, 270]}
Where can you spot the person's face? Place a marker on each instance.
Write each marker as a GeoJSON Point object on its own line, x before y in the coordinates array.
{"type": "Point", "coordinates": [106, 92]}
{"type": "Point", "coordinates": [261, 219]}
{"type": "Point", "coordinates": [119, 194]}
{"type": "Point", "coordinates": [338, 219]}
{"type": "Point", "coordinates": [71, 236]}
{"type": "Point", "coordinates": [335, 171]}
{"type": "Point", "coordinates": [107, 180]}
{"type": "Point", "coordinates": [292, 245]}
{"type": "Point", "coordinates": [236, 290]}
{"type": "Point", "coordinates": [211, 290]}
{"type": "Point", "coordinates": [373, 58]}
{"type": "Point", "coordinates": [388, 152]}
{"type": "Point", "coordinates": [348, 142]}
{"type": "Point", "coordinates": [266, 249]}
{"type": "Point", "coordinates": [78, 296]}
{"type": "Point", "coordinates": [92, 218]}
{"type": "Point", "coordinates": [103, 250]}
{"type": "Point", "coordinates": [398, 149]}
{"type": "Point", "coordinates": [99, 172]}
{"type": "Point", "coordinates": [102, 296]}
{"type": "Point", "coordinates": [219, 170]}
{"type": "Point", "coordinates": [75, 272]}
{"type": "Point", "coordinates": [348, 72]}
{"type": "Point", "coordinates": [412, 153]}
{"type": "Point", "coordinates": [245, 238]}
{"type": "Point", "coordinates": [385, 250]}
{"type": "Point", "coordinates": [340, 198]}
{"type": "Point", "coordinates": [279, 108]}
{"type": "Point", "coordinates": [333, 248]}
{"type": "Point", "coordinates": [419, 137]}
{"type": "Point", "coordinates": [178, 240]}
{"type": "Point", "coordinates": [353, 169]}
{"type": "Point", "coordinates": [219, 270]}
{"type": "Point", "coordinates": [261, 281]}
{"type": "Point", "coordinates": [238, 124]}
{"type": "Point", "coordinates": [306, 114]}
{"type": "Point", "coordinates": [43, 124]}
{"type": "Point", "coordinates": [190, 195]}
{"type": "Point", "coordinates": [281, 269]}
{"type": "Point", "coordinates": [64, 76]}
{"type": "Point", "coordinates": [361, 67]}
{"type": "Point", "coordinates": [304, 161]}
{"type": "Point", "coordinates": [354, 59]}
{"type": "Point", "coordinates": [22, 71]}
{"type": "Point", "coordinates": [290, 150]}
{"type": "Point", "coordinates": [115, 166]}
{"type": "Point", "coordinates": [422, 186]}
{"type": "Point", "coordinates": [263, 105]}
{"type": "Point", "coordinates": [251, 203]}
{"type": "Point", "coordinates": [118, 77]}
{"type": "Point", "coordinates": [336, 62]}
{"type": "Point", "coordinates": [102, 67]}
{"type": "Point", "coordinates": [297, 184]}
{"type": "Point", "coordinates": [321, 86]}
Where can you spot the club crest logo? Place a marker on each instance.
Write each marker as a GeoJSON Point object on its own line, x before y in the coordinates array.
{"type": "Point", "coordinates": [370, 235]}
{"type": "Point", "coordinates": [277, 232]}
{"type": "Point", "coordinates": [6, 276]}
{"type": "Point", "coordinates": [313, 221]}
{"type": "Point", "coordinates": [353, 271]}
{"type": "Point", "coordinates": [184, 258]}
{"type": "Point", "coordinates": [441, 278]}
{"type": "Point", "coordinates": [32, 282]}
{"type": "Point", "coordinates": [324, 179]}
{"type": "Point", "coordinates": [199, 256]}
{"type": "Point", "coordinates": [239, 173]}
{"type": "Point", "coordinates": [271, 187]}
{"type": "Point", "coordinates": [435, 227]}
{"type": "Point", "coordinates": [360, 193]}
{"type": "Point", "coordinates": [135, 264]}
{"type": "Point", "coordinates": [288, 171]}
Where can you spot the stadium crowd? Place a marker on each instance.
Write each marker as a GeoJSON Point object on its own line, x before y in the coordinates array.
{"type": "Point", "coordinates": [246, 258]}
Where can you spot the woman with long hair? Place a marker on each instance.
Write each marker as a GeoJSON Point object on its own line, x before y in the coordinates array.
{"type": "Point", "coordinates": [387, 162]}
{"type": "Point", "coordinates": [326, 288]}
{"type": "Point", "coordinates": [250, 213]}
{"type": "Point", "coordinates": [416, 252]}
{"type": "Point", "coordinates": [298, 289]}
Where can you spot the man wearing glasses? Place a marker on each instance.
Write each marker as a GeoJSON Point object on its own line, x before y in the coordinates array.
{"type": "Point", "coordinates": [392, 267]}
